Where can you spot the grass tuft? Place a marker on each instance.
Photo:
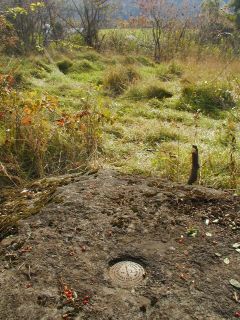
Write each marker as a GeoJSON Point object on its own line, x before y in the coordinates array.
{"type": "Point", "coordinates": [207, 97]}
{"type": "Point", "coordinates": [169, 72]}
{"type": "Point", "coordinates": [82, 66]}
{"type": "Point", "coordinates": [64, 65]}
{"type": "Point", "coordinates": [118, 78]}
{"type": "Point", "coordinates": [142, 92]}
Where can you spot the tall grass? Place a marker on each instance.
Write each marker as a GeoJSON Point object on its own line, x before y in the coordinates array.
{"type": "Point", "coordinates": [117, 79]}
{"type": "Point", "coordinates": [38, 138]}
{"type": "Point", "coordinates": [159, 111]}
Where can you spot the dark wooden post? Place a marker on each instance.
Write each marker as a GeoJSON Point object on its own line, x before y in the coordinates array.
{"type": "Point", "coordinates": [195, 166]}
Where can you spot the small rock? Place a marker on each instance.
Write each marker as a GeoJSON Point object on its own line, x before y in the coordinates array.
{"type": "Point", "coordinates": [24, 191]}
{"type": "Point", "coordinates": [226, 261]}
{"type": "Point", "coordinates": [218, 254]}
{"type": "Point", "coordinates": [207, 221]}
{"type": "Point", "coordinates": [235, 283]}
{"type": "Point", "coordinates": [131, 228]}
{"type": "Point", "coordinates": [208, 234]}
{"type": "Point", "coordinates": [236, 245]}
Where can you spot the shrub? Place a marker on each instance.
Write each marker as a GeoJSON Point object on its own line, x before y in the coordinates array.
{"type": "Point", "coordinates": [37, 138]}
{"type": "Point", "coordinates": [208, 97]}
{"type": "Point", "coordinates": [64, 66]}
{"type": "Point", "coordinates": [8, 37]}
{"type": "Point", "coordinates": [118, 78]}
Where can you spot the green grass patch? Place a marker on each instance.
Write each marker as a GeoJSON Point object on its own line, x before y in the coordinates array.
{"type": "Point", "coordinates": [142, 92]}
{"type": "Point", "coordinates": [82, 66]}
{"type": "Point", "coordinates": [208, 97]}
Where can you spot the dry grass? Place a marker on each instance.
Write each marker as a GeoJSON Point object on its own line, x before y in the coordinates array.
{"type": "Point", "coordinates": [150, 135]}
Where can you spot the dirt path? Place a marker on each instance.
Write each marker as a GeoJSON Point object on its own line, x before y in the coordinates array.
{"type": "Point", "coordinates": [57, 265]}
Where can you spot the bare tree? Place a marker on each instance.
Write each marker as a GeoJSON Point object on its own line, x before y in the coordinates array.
{"type": "Point", "coordinates": [35, 22]}
{"type": "Point", "coordinates": [88, 18]}
{"type": "Point", "coordinates": [167, 19]}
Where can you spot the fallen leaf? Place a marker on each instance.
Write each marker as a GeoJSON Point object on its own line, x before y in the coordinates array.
{"type": "Point", "coordinates": [26, 121]}
{"type": "Point", "coordinates": [86, 300]}
{"type": "Point", "coordinates": [2, 114]}
{"type": "Point", "coordinates": [68, 293]}
{"type": "Point", "coordinates": [24, 250]}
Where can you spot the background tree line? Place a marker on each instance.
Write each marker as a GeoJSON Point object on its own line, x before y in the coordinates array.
{"type": "Point", "coordinates": [28, 25]}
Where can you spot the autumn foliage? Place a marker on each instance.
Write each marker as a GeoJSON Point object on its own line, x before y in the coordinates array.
{"type": "Point", "coordinates": [39, 138]}
{"type": "Point", "coordinates": [8, 37]}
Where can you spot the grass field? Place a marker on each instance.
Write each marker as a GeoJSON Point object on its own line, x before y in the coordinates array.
{"type": "Point", "coordinates": [155, 112]}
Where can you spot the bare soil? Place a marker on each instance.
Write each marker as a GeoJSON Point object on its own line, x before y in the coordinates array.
{"type": "Point", "coordinates": [54, 264]}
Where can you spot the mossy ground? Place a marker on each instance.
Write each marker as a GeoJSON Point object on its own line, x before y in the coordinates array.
{"type": "Point", "coordinates": [153, 127]}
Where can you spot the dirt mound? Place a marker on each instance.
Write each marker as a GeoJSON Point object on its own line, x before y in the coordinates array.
{"type": "Point", "coordinates": [57, 264]}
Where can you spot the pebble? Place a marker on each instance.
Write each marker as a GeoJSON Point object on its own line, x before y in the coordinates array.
{"type": "Point", "coordinates": [207, 221]}
{"type": "Point", "coordinates": [208, 234]}
{"type": "Point", "coordinates": [218, 254]}
{"type": "Point", "coordinates": [235, 283]}
{"type": "Point", "coordinates": [236, 245]}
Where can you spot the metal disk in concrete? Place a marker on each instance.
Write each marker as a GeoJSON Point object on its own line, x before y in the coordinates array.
{"type": "Point", "coordinates": [127, 274]}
